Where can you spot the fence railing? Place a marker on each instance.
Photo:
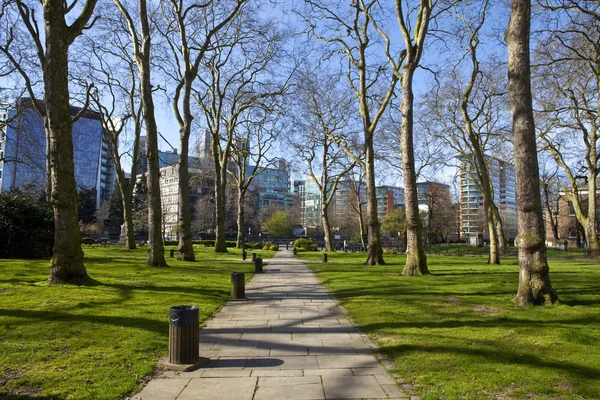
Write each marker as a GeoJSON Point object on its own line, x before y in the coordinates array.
{"type": "Point", "coordinates": [551, 252]}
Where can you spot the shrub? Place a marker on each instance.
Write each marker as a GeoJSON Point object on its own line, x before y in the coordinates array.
{"type": "Point", "coordinates": [171, 242]}
{"type": "Point", "coordinates": [273, 247]}
{"type": "Point", "coordinates": [266, 247]}
{"type": "Point", "coordinates": [303, 244]}
{"type": "Point", "coordinates": [26, 226]}
{"type": "Point", "coordinates": [88, 240]}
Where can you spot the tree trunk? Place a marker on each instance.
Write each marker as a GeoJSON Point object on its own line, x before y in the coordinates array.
{"type": "Point", "coordinates": [185, 250]}
{"type": "Point", "coordinates": [416, 261]}
{"type": "Point", "coordinates": [241, 223]}
{"type": "Point", "coordinates": [500, 231]}
{"type": "Point", "coordinates": [66, 265]}
{"type": "Point", "coordinates": [494, 257]}
{"type": "Point", "coordinates": [590, 228]}
{"type": "Point", "coordinates": [534, 279]}
{"type": "Point", "coordinates": [374, 250]}
{"type": "Point", "coordinates": [220, 188]}
{"type": "Point", "coordinates": [326, 225]}
{"type": "Point", "coordinates": [156, 249]}
{"type": "Point", "coordinates": [128, 217]}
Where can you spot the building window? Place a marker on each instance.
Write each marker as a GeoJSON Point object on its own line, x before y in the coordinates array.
{"type": "Point", "coordinates": [571, 209]}
{"type": "Point", "coordinates": [572, 232]}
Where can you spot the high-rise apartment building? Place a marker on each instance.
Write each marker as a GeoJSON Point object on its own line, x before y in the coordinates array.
{"type": "Point", "coordinates": [472, 213]}
{"type": "Point", "coordinates": [388, 198]}
{"type": "Point", "coordinates": [23, 145]}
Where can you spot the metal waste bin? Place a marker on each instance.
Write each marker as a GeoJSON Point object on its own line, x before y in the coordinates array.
{"type": "Point", "coordinates": [324, 259]}
{"type": "Point", "coordinates": [258, 266]}
{"type": "Point", "coordinates": [184, 334]}
{"type": "Point", "coordinates": [253, 257]}
{"type": "Point", "coordinates": [238, 286]}
{"type": "Point", "coordinates": [172, 253]}
{"type": "Point", "coordinates": [244, 255]}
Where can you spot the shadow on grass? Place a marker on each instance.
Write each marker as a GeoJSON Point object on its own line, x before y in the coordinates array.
{"type": "Point", "coordinates": [53, 316]}
{"type": "Point", "coordinates": [501, 356]}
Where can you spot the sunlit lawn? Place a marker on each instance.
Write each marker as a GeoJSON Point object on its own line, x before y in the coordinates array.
{"type": "Point", "coordinates": [99, 341]}
{"type": "Point", "coordinates": [456, 334]}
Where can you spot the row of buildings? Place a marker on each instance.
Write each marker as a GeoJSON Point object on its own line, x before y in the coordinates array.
{"type": "Point", "coordinates": [23, 163]}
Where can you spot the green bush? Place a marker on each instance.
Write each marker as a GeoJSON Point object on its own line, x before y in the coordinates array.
{"type": "Point", "coordinates": [88, 240]}
{"type": "Point", "coordinates": [26, 226]}
{"type": "Point", "coordinates": [273, 247]}
{"type": "Point", "coordinates": [171, 242]}
{"type": "Point", "coordinates": [303, 244]}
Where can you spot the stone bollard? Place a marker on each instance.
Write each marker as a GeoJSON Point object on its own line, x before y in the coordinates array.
{"type": "Point", "coordinates": [172, 253]}
{"type": "Point", "coordinates": [324, 258]}
{"type": "Point", "coordinates": [287, 246]}
{"type": "Point", "coordinates": [184, 334]}
{"type": "Point", "coordinates": [238, 286]}
{"type": "Point", "coordinates": [258, 266]}
{"type": "Point", "coordinates": [253, 257]}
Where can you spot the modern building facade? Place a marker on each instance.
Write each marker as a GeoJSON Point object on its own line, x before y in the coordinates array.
{"type": "Point", "coordinates": [271, 188]}
{"type": "Point", "coordinates": [472, 213]}
{"type": "Point", "coordinates": [23, 145]}
{"type": "Point", "coordinates": [388, 198]}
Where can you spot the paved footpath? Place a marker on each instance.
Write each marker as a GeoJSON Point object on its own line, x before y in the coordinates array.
{"type": "Point", "coordinates": [288, 341]}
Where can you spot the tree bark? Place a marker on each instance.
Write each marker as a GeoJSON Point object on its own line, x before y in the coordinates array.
{"type": "Point", "coordinates": [185, 249]}
{"type": "Point", "coordinates": [66, 265]}
{"type": "Point", "coordinates": [128, 216]}
{"type": "Point", "coordinates": [156, 249]}
{"type": "Point", "coordinates": [374, 250]}
{"type": "Point", "coordinates": [534, 279]}
{"type": "Point", "coordinates": [326, 224]}
{"type": "Point", "coordinates": [416, 261]}
{"type": "Point", "coordinates": [590, 227]}
{"type": "Point", "coordinates": [220, 198]}
{"type": "Point", "coordinates": [241, 223]}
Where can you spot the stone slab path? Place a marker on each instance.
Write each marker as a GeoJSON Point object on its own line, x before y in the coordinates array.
{"type": "Point", "coordinates": [290, 341]}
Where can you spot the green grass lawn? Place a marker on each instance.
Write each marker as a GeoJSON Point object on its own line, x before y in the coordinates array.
{"type": "Point", "coordinates": [99, 341]}
{"type": "Point", "coordinates": [455, 334]}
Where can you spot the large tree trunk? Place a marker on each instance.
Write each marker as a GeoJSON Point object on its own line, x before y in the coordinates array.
{"type": "Point", "coordinates": [66, 265]}
{"type": "Point", "coordinates": [156, 249]}
{"type": "Point", "coordinates": [534, 279]}
{"type": "Point", "coordinates": [374, 250]}
{"type": "Point", "coordinates": [241, 223]}
{"type": "Point", "coordinates": [416, 261]}
{"type": "Point", "coordinates": [220, 189]}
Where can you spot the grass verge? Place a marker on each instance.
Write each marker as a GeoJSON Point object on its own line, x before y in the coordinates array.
{"type": "Point", "coordinates": [100, 341]}
{"type": "Point", "coordinates": [455, 334]}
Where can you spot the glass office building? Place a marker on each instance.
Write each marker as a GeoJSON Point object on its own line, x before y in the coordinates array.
{"type": "Point", "coordinates": [23, 143]}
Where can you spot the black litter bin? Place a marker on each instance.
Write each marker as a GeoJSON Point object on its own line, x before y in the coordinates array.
{"type": "Point", "coordinates": [258, 266]}
{"type": "Point", "coordinates": [184, 334]}
{"type": "Point", "coordinates": [243, 254]}
{"type": "Point", "coordinates": [324, 258]}
{"type": "Point", "coordinates": [253, 257]}
{"type": "Point", "coordinates": [238, 286]}
{"type": "Point", "coordinates": [172, 253]}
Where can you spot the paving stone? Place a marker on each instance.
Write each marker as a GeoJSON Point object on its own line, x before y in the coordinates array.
{"type": "Point", "coordinates": [347, 361]}
{"type": "Point", "coordinates": [219, 388]}
{"type": "Point", "coordinates": [286, 388]}
{"type": "Point", "coordinates": [352, 387]}
{"type": "Point", "coordinates": [277, 372]}
{"type": "Point", "coordinates": [283, 362]}
{"type": "Point", "coordinates": [162, 389]}
{"type": "Point", "coordinates": [225, 373]}
{"type": "Point", "coordinates": [328, 371]}
{"type": "Point", "coordinates": [393, 391]}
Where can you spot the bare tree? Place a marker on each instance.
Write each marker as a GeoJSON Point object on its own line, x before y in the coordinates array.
{"type": "Point", "coordinates": [468, 112]}
{"type": "Point", "coordinates": [568, 102]}
{"type": "Point", "coordinates": [352, 32]}
{"type": "Point", "coordinates": [52, 48]}
{"type": "Point", "coordinates": [551, 184]}
{"type": "Point", "coordinates": [323, 114]}
{"type": "Point", "coordinates": [189, 30]}
{"type": "Point", "coordinates": [142, 44]}
{"type": "Point", "coordinates": [254, 138]}
{"type": "Point", "coordinates": [116, 98]}
{"type": "Point", "coordinates": [238, 76]}
{"type": "Point", "coordinates": [534, 279]}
